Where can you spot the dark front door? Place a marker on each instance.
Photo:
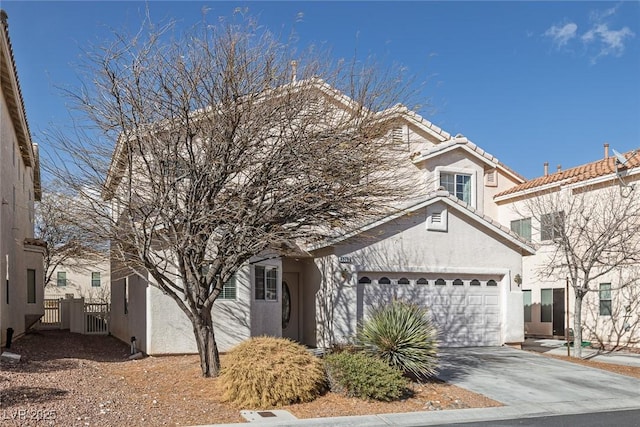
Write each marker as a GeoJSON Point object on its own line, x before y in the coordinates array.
{"type": "Point", "coordinates": [558, 312]}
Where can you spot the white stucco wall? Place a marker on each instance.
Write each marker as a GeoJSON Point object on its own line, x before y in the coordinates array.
{"type": "Point", "coordinates": [16, 223]}
{"type": "Point", "coordinates": [406, 246]}
{"type": "Point", "coordinates": [79, 282]}
{"type": "Point", "coordinates": [535, 278]}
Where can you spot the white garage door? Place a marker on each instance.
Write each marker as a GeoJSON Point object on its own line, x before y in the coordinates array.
{"type": "Point", "coordinates": [465, 309]}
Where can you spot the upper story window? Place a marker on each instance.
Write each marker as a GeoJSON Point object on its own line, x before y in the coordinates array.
{"type": "Point", "coordinates": [95, 279]}
{"type": "Point", "coordinates": [522, 227]}
{"type": "Point", "coordinates": [551, 226]}
{"type": "Point", "coordinates": [457, 184]}
{"type": "Point", "coordinates": [61, 278]}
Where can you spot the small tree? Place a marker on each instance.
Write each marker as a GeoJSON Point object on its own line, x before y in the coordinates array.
{"type": "Point", "coordinates": [588, 234]}
{"type": "Point", "coordinates": [63, 225]}
{"type": "Point", "coordinates": [227, 147]}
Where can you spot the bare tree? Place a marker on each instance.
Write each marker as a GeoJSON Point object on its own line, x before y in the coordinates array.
{"type": "Point", "coordinates": [225, 148]}
{"type": "Point", "coordinates": [589, 234]}
{"type": "Point", "coordinates": [613, 318]}
{"type": "Point", "coordinates": [60, 223]}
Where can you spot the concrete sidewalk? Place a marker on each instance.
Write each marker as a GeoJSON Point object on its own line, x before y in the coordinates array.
{"type": "Point", "coordinates": [557, 347]}
{"type": "Point", "coordinates": [433, 418]}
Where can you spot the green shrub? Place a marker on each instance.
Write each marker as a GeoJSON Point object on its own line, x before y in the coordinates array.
{"type": "Point", "coordinates": [402, 334]}
{"type": "Point", "coordinates": [266, 372]}
{"type": "Point", "coordinates": [360, 375]}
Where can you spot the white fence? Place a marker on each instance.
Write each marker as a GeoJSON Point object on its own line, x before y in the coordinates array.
{"type": "Point", "coordinates": [76, 315]}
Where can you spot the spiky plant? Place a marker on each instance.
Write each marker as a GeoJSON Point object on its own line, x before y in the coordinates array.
{"type": "Point", "coordinates": [403, 335]}
{"type": "Point", "coordinates": [266, 372]}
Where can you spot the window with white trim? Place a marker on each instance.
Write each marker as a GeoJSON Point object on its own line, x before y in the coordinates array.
{"type": "Point", "coordinates": [551, 225]}
{"type": "Point", "coordinates": [522, 227]}
{"type": "Point", "coordinates": [605, 299]}
{"type": "Point", "coordinates": [266, 282]}
{"type": "Point", "coordinates": [457, 184]}
{"type": "Point", "coordinates": [61, 278]}
{"type": "Point", "coordinates": [229, 289]}
{"type": "Point", "coordinates": [95, 279]}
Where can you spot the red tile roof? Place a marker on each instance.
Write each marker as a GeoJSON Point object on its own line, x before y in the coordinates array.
{"type": "Point", "coordinates": [580, 173]}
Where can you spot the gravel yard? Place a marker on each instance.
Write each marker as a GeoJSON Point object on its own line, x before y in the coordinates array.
{"type": "Point", "coordinates": [82, 380]}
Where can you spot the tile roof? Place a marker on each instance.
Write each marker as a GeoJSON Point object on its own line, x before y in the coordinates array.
{"type": "Point", "coordinates": [599, 168]}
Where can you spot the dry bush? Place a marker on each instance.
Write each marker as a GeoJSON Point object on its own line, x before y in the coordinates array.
{"type": "Point", "coordinates": [266, 372]}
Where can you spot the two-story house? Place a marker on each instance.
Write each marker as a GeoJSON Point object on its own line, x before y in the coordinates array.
{"type": "Point", "coordinates": [584, 204]}
{"type": "Point", "coordinates": [21, 267]}
{"type": "Point", "coordinates": [443, 249]}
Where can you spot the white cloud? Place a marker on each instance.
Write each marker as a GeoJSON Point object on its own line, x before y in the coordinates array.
{"type": "Point", "coordinates": [609, 42]}
{"type": "Point", "coordinates": [562, 35]}
{"type": "Point", "coordinates": [600, 40]}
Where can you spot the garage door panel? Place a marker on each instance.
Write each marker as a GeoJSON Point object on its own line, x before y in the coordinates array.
{"type": "Point", "coordinates": [464, 315]}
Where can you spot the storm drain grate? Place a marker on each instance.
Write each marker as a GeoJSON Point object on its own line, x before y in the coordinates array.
{"type": "Point", "coordinates": [267, 416]}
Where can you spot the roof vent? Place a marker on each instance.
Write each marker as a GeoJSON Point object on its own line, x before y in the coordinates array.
{"type": "Point", "coordinates": [546, 168]}
{"type": "Point", "coordinates": [606, 150]}
{"type": "Point", "coordinates": [559, 168]}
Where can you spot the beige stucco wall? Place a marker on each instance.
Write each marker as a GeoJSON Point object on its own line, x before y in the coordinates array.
{"type": "Point", "coordinates": [535, 278]}
{"type": "Point", "coordinates": [405, 245]}
{"type": "Point", "coordinates": [16, 224]}
{"type": "Point", "coordinates": [79, 282]}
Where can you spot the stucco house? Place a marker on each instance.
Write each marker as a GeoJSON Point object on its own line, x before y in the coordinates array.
{"type": "Point", "coordinates": [611, 312]}
{"type": "Point", "coordinates": [21, 265]}
{"type": "Point", "coordinates": [90, 280]}
{"type": "Point", "coordinates": [444, 249]}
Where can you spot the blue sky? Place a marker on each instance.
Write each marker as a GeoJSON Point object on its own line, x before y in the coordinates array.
{"type": "Point", "coordinates": [528, 82]}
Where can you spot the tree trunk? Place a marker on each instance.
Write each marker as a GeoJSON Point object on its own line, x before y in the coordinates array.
{"type": "Point", "coordinates": [577, 326]}
{"type": "Point", "coordinates": [207, 347]}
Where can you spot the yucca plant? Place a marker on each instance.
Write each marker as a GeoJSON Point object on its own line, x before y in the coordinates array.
{"type": "Point", "coordinates": [403, 335]}
{"type": "Point", "coordinates": [266, 372]}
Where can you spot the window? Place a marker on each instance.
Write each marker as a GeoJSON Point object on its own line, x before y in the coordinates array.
{"type": "Point", "coordinates": [457, 184]}
{"type": "Point", "coordinates": [526, 296]}
{"type": "Point", "coordinates": [266, 282]}
{"type": "Point", "coordinates": [551, 226]}
{"type": "Point", "coordinates": [492, 283]}
{"type": "Point", "coordinates": [522, 227]}
{"type": "Point", "coordinates": [546, 309]}
{"type": "Point", "coordinates": [475, 282]}
{"type": "Point", "coordinates": [440, 282]}
{"type": "Point", "coordinates": [31, 286]}
{"type": "Point", "coordinates": [422, 281]}
{"type": "Point", "coordinates": [365, 280]}
{"type": "Point", "coordinates": [62, 278]}
{"type": "Point", "coordinates": [229, 289]}
{"type": "Point", "coordinates": [605, 299]}
{"type": "Point", "coordinates": [95, 279]}
{"type": "Point", "coordinates": [458, 282]}
{"type": "Point", "coordinates": [384, 281]}
{"type": "Point", "coordinates": [403, 281]}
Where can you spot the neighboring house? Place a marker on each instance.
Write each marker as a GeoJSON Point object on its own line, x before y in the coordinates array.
{"type": "Point", "coordinates": [610, 314]}
{"type": "Point", "coordinates": [91, 282]}
{"type": "Point", "coordinates": [444, 249]}
{"type": "Point", "coordinates": [21, 256]}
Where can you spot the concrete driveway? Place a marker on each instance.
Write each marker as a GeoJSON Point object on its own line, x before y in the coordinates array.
{"type": "Point", "coordinates": [516, 377]}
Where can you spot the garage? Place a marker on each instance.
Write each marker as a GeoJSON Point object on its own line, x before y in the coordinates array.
{"type": "Point", "coordinates": [465, 308]}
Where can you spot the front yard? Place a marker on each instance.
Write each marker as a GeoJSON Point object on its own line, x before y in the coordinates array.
{"type": "Point", "coordinates": [83, 380]}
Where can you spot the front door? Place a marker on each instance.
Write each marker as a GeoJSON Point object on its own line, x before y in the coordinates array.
{"type": "Point", "coordinates": [290, 305]}
{"type": "Point", "coordinates": [558, 312]}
